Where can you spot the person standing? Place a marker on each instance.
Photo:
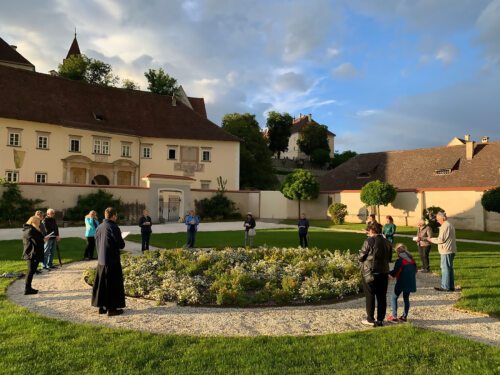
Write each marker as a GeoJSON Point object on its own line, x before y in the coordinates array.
{"type": "Point", "coordinates": [389, 229]}
{"type": "Point", "coordinates": [447, 247]}
{"type": "Point", "coordinates": [145, 223]}
{"type": "Point", "coordinates": [250, 233]}
{"type": "Point", "coordinates": [91, 225]}
{"type": "Point", "coordinates": [108, 292]}
{"type": "Point", "coordinates": [375, 256]}
{"type": "Point", "coordinates": [424, 232]}
{"type": "Point", "coordinates": [32, 250]}
{"type": "Point", "coordinates": [191, 222]}
{"type": "Point", "coordinates": [52, 230]}
{"type": "Point", "coordinates": [303, 225]}
{"type": "Point", "coordinates": [371, 219]}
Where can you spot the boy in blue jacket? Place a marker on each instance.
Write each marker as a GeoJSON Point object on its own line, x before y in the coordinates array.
{"type": "Point", "coordinates": [405, 271]}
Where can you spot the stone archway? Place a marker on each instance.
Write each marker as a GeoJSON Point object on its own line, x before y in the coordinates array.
{"type": "Point", "coordinates": [100, 180]}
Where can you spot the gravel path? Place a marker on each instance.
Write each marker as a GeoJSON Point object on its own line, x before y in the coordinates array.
{"type": "Point", "coordinates": [64, 295]}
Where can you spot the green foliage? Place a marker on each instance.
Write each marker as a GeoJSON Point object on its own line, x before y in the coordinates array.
{"type": "Point", "coordinates": [98, 201]}
{"type": "Point", "coordinates": [14, 208]}
{"type": "Point", "coordinates": [429, 215]}
{"type": "Point", "coordinates": [256, 171]}
{"type": "Point", "coordinates": [279, 127]}
{"type": "Point", "coordinates": [217, 207]}
{"type": "Point", "coordinates": [130, 85]}
{"type": "Point", "coordinates": [241, 277]}
{"type": "Point", "coordinates": [300, 185]}
{"type": "Point", "coordinates": [491, 200]}
{"type": "Point", "coordinates": [337, 213]}
{"type": "Point", "coordinates": [340, 158]}
{"type": "Point", "coordinates": [161, 83]}
{"type": "Point", "coordinates": [378, 193]}
{"type": "Point", "coordinates": [83, 68]}
{"type": "Point", "coordinates": [320, 157]}
{"type": "Point", "coordinates": [313, 137]}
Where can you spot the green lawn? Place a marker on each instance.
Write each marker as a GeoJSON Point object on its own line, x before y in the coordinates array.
{"type": "Point", "coordinates": [401, 229]}
{"type": "Point", "coordinates": [30, 343]}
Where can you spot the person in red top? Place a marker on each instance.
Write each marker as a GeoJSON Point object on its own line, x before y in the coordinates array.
{"type": "Point", "coordinates": [405, 271]}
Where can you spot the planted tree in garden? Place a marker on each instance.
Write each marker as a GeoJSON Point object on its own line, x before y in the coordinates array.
{"type": "Point", "coordinates": [337, 212]}
{"type": "Point", "coordinates": [300, 185]}
{"type": "Point", "coordinates": [279, 128]}
{"type": "Point", "coordinates": [429, 215]}
{"type": "Point", "coordinates": [491, 200]}
{"type": "Point", "coordinates": [378, 193]}
{"type": "Point", "coordinates": [161, 83]}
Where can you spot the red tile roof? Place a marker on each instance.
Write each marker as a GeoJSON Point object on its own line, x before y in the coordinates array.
{"type": "Point", "coordinates": [198, 105]}
{"type": "Point", "coordinates": [413, 169]}
{"type": "Point", "coordinates": [43, 98]}
{"type": "Point", "coordinates": [300, 123]}
{"type": "Point", "coordinates": [10, 55]}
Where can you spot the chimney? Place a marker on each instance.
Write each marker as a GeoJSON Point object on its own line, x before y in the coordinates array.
{"type": "Point", "coordinates": [174, 101]}
{"type": "Point", "coordinates": [310, 116]}
{"type": "Point", "coordinates": [13, 47]}
{"type": "Point", "coordinates": [485, 139]}
{"type": "Point", "coordinates": [467, 137]}
{"type": "Point", "coordinates": [469, 149]}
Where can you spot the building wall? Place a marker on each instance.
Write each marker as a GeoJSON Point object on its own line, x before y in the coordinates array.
{"type": "Point", "coordinates": [224, 156]}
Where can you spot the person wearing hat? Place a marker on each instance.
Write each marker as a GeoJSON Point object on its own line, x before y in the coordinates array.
{"type": "Point", "coordinates": [249, 225]}
{"type": "Point", "coordinates": [447, 247]}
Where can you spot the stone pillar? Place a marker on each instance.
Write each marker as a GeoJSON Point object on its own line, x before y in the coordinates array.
{"type": "Point", "coordinates": [68, 173]}
{"type": "Point", "coordinates": [87, 176]}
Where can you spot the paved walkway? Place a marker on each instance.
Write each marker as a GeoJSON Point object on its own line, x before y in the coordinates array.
{"type": "Point", "coordinates": [64, 295]}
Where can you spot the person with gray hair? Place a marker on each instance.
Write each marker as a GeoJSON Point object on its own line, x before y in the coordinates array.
{"type": "Point", "coordinates": [447, 247]}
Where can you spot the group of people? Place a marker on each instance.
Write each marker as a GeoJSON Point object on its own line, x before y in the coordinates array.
{"type": "Point", "coordinates": [376, 254]}
{"type": "Point", "coordinates": [40, 237]}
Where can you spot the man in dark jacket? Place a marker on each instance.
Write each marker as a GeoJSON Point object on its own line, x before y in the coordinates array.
{"type": "Point", "coordinates": [108, 292]}
{"type": "Point", "coordinates": [145, 223]}
{"type": "Point", "coordinates": [303, 225]}
{"type": "Point", "coordinates": [32, 250]}
{"type": "Point", "coordinates": [52, 230]}
{"type": "Point", "coordinates": [375, 256]}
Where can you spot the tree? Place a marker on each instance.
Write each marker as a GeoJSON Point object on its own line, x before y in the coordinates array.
{"type": "Point", "coordinates": [337, 212]}
{"type": "Point", "coordinates": [300, 185]}
{"type": "Point", "coordinates": [313, 137]}
{"type": "Point", "coordinates": [161, 83]}
{"type": "Point", "coordinates": [279, 130]}
{"type": "Point", "coordinates": [13, 206]}
{"type": "Point", "coordinates": [491, 200]}
{"type": "Point", "coordinates": [340, 158]}
{"type": "Point", "coordinates": [83, 68]}
{"type": "Point", "coordinates": [378, 193]}
{"type": "Point", "coordinates": [320, 157]}
{"type": "Point", "coordinates": [130, 85]}
{"type": "Point", "coordinates": [97, 201]}
{"type": "Point", "coordinates": [256, 169]}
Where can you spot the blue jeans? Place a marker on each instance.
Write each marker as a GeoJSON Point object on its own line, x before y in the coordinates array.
{"type": "Point", "coordinates": [447, 276]}
{"type": "Point", "coordinates": [48, 252]}
{"type": "Point", "coordinates": [394, 302]}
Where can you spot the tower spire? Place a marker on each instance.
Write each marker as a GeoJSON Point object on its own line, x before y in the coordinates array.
{"type": "Point", "coordinates": [74, 49]}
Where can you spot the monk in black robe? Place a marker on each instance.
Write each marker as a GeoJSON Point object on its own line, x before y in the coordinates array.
{"type": "Point", "coordinates": [108, 292]}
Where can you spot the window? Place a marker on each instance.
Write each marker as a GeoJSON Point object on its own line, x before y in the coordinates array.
{"type": "Point", "coordinates": [101, 146]}
{"type": "Point", "coordinates": [12, 176]}
{"type": "Point", "coordinates": [205, 155]}
{"type": "Point", "coordinates": [125, 150]}
{"type": "Point", "coordinates": [172, 153]}
{"type": "Point", "coordinates": [205, 185]}
{"type": "Point", "coordinates": [74, 145]}
{"type": "Point", "coordinates": [41, 178]}
{"type": "Point", "coordinates": [14, 138]}
{"type": "Point", "coordinates": [42, 142]}
{"type": "Point", "coordinates": [146, 152]}
{"type": "Point", "coordinates": [442, 171]}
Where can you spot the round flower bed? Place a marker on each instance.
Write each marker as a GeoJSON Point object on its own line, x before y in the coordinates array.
{"type": "Point", "coordinates": [241, 277]}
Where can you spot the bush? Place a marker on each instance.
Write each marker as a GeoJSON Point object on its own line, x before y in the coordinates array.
{"type": "Point", "coordinates": [97, 201]}
{"type": "Point", "coordinates": [491, 200]}
{"type": "Point", "coordinates": [429, 215]}
{"type": "Point", "coordinates": [217, 207]}
{"type": "Point", "coordinates": [337, 212]}
{"type": "Point", "coordinates": [14, 208]}
{"type": "Point", "coordinates": [320, 157]}
{"type": "Point", "coordinates": [241, 277]}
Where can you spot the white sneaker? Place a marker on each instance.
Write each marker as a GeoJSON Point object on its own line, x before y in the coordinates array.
{"type": "Point", "coordinates": [367, 323]}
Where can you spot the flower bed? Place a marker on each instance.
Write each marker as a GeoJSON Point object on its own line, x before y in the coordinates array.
{"type": "Point", "coordinates": [241, 277]}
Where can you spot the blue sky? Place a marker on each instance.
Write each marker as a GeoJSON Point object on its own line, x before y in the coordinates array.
{"type": "Point", "coordinates": [383, 75]}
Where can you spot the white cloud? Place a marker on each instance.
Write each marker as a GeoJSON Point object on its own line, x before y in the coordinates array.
{"type": "Point", "coordinates": [446, 54]}
{"type": "Point", "coordinates": [332, 52]}
{"type": "Point", "coordinates": [368, 112]}
{"type": "Point", "coordinates": [345, 70]}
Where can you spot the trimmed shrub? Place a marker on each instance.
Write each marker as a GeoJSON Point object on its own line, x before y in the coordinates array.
{"type": "Point", "coordinates": [217, 207]}
{"type": "Point", "coordinates": [98, 201]}
{"type": "Point", "coordinates": [337, 212]}
{"type": "Point", "coordinates": [491, 200]}
{"type": "Point", "coordinates": [429, 215]}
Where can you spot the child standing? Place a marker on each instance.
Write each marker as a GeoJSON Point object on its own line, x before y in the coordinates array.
{"type": "Point", "coordinates": [405, 271]}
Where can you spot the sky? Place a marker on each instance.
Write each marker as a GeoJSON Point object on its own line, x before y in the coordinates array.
{"type": "Point", "coordinates": [381, 74]}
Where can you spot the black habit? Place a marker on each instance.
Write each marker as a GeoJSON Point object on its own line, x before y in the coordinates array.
{"type": "Point", "coordinates": [108, 290]}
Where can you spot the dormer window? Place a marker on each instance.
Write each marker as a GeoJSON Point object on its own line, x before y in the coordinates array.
{"type": "Point", "coordinates": [442, 171]}
{"type": "Point", "coordinates": [363, 175]}
{"type": "Point", "coordinates": [98, 116]}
